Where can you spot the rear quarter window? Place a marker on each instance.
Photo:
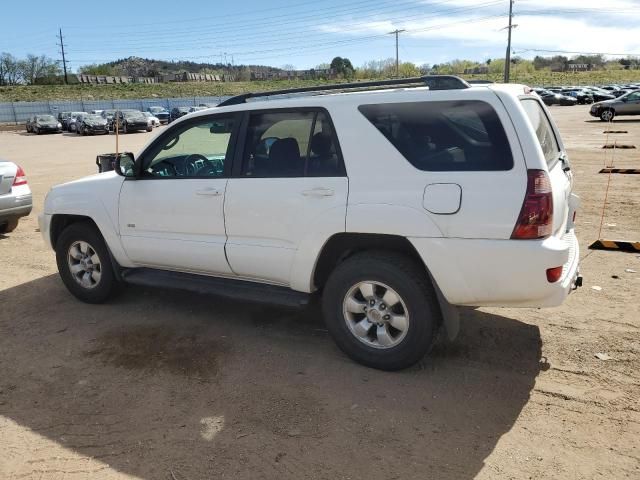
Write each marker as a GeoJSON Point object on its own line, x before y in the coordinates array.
{"type": "Point", "coordinates": [543, 130]}
{"type": "Point", "coordinates": [444, 136]}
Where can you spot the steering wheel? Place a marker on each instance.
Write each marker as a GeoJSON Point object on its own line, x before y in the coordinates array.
{"type": "Point", "coordinates": [190, 163]}
{"type": "Point", "coordinates": [168, 166]}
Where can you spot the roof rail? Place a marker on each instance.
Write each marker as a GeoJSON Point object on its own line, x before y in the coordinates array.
{"type": "Point", "coordinates": [434, 82]}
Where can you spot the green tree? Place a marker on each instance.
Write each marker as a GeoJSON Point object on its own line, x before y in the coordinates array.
{"type": "Point", "coordinates": [342, 66]}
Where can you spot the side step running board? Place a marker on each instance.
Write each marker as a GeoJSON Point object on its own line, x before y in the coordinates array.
{"type": "Point", "coordinates": [234, 289]}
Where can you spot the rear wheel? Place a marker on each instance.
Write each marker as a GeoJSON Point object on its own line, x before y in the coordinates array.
{"type": "Point", "coordinates": [381, 310]}
{"type": "Point", "coordinates": [84, 263]}
{"type": "Point", "coordinates": [607, 115]}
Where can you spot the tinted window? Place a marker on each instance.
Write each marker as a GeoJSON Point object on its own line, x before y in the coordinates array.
{"type": "Point", "coordinates": [290, 144]}
{"type": "Point", "coordinates": [444, 136]}
{"type": "Point", "coordinates": [543, 129]}
{"type": "Point", "coordinates": [196, 150]}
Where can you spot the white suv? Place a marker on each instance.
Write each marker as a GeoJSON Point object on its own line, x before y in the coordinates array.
{"type": "Point", "coordinates": [395, 204]}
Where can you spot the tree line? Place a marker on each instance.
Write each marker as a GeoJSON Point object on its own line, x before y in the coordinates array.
{"type": "Point", "coordinates": [30, 70]}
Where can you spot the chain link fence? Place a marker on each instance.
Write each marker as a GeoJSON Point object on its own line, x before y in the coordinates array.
{"type": "Point", "coordinates": [19, 112]}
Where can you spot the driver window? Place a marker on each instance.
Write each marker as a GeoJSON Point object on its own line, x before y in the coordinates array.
{"type": "Point", "coordinates": [199, 150]}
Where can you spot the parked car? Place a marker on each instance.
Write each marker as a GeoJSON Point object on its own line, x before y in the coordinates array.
{"type": "Point", "coordinates": [15, 196]}
{"type": "Point", "coordinates": [160, 113]}
{"type": "Point", "coordinates": [108, 116]}
{"type": "Point", "coordinates": [552, 98]}
{"type": "Point", "coordinates": [177, 112]}
{"type": "Point", "coordinates": [628, 104]}
{"type": "Point", "coordinates": [582, 96]}
{"type": "Point", "coordinates": [383, 202]}
{"type": "Point", "coordinates": [599, 95]}
{"type": "Point", "coordinates": [154, 121]}
{"type": "Point", "coordinates": [63, 118]}
{"type": "Point", "coordinates": [197, 109]}
{"type": "Point", "coordinates": [91, 124]}
{"type": "Point", "coordinates": [43, 124]}
{"type": "Point", "coordinates": [96, 112]}
{"type": "Point", "coordinates": [130, 121]}
{"type": "Point", "coordinates": [73, 120]}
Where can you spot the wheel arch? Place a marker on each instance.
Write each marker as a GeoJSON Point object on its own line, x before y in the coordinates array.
{"type": "Point", "coordinates": [341, 246]}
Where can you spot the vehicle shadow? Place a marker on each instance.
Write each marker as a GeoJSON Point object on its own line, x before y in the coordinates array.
{"type": "Point", "coordinates": [166, 384]}
{"type": "Point", "coordinates": [615, 120]}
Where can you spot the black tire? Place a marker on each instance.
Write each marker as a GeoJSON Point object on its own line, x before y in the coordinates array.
{"type": "Point", "coordinates": [149, 129]}
{"type": "Point", "coordinates": [107, 285]}
{"type": "Point", "coordinates": [124, 128]}
{"type": "Point", "coordinates": [9, 226]}
{"type": "Point", "coordinates": [607, 115]}
{"type": "Point", "coordinates": [37, 131]}
{"type": "Point", "coordinates": [411, 283]}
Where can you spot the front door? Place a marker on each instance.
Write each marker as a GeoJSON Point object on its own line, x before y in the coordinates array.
{"type": "Point", "coordinates": [172, 216]}
{"type": "Point", "coordinates": [629, 104]}
{"type": "Point", "coordinates": [290, 188]}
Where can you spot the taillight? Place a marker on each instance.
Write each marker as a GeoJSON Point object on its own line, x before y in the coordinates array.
{"type": "Point", "coordinates": [554, 274]}
{"type": "Point", "coordinates": [536, 215]}
{"type": "Point", "coordinates": [20, 178]}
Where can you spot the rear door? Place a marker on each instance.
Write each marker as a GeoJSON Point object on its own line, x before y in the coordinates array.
{"type": "Point", "coordinates": [289, 185]}
{"type": "Point", "coordinates": [557, 161]}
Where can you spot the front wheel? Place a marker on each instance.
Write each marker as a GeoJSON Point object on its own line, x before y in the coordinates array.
{"type": "Point", "coordinates": [607, 115]}
{"type": "Point", "coordinates": [381, 309]}
{"type": "Point", "coordinates": [84, 263]}
{"type": "Point", "coordinates": [9, 226]}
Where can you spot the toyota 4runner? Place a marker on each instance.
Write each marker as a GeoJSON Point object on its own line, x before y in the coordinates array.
{"type": "Point", "coordinates": [395, 201]}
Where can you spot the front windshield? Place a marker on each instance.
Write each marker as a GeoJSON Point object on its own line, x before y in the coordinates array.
{"type": "Point", "coordinates": [46, 118]}
{"type": "Point", "coordinates": [93, 117]}
{"type": "Point", "coordinates": [156, 109]}
{"type": "Point", "coordinates": [131, 114]}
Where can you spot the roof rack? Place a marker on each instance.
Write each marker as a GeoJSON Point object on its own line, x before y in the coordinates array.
{"type": "Point", "coordinates": [434, 82]}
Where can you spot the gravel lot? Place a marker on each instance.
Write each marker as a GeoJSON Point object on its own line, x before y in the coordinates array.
{"type": "Point", "coordinates": [168, 385]}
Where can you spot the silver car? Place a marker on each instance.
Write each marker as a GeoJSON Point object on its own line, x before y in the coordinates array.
{"type": "Point", "coordinates": [628, 104]}
{"type": "Point", "coordinates": [15, 196]}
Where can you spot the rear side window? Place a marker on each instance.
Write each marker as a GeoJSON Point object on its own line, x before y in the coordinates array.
{"type": "Point", "coordinates": [444, 136]}
{"type": "Point", "coordinates": [543, 129]}
{"type": "Point", "coordinates": [291, 144]}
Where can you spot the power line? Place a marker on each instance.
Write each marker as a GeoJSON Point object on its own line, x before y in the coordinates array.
{"type": "Point", "coordinates": [64, 60]}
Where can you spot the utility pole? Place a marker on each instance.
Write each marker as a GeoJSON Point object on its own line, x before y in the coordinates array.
{"type": "Point", "coordinates": [64, 60]}
{"type": "Point", "coordinates": [396, 32]}
{"type": "Point", "coordinates": [507, 60]}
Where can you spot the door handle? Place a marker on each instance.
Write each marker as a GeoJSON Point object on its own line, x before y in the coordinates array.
{"type": "Point", "coordinates": [318, 192]}
{"type": "Point", "coordinates": [208, 192]}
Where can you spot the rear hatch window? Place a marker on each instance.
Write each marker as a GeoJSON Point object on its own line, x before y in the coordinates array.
{"type": "Point", "coordinates": [544, 131]}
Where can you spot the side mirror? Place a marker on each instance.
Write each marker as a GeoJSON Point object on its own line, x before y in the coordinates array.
{"type": "Point", "coordinates": [125, 165]}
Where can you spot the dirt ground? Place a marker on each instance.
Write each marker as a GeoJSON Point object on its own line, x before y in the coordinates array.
{"type": "Point", "coordinates": [168, 385]}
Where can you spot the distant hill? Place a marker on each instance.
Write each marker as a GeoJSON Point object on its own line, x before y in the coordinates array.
{"type": "Point", "coordinates": [147, 67]}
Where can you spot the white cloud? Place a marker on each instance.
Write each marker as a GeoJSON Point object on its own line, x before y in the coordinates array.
{"type": "Point", "coordinates": [553, 31]}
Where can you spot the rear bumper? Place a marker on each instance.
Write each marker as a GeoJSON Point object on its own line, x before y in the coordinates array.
{"type": "Point", "coordinates": [16, 206]}
{"type": "Point", "coordinates": [501, 273]}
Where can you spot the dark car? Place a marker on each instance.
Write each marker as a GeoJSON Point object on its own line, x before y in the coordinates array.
{"type": "Point", "coordinates": [177, 112]}
{"type": "Point", "coordinates": [62, 118]}
{"type": "Point", "coordinates": [551, 98]}
{"type": "Point", "coordinates": [600, 95]}
{"type": "Point", "coordinates": [160, 113]}
{"type": "Point", "coordinates": [108, 116]}
{"type": "Point", "coordinates": [91, 124]}
{"type": "Point", "coordinates": [43, 124]}
{"type": "Point", "coordinates": [131, 121]}
{"type": "Point", "coordinates": [582, 96]}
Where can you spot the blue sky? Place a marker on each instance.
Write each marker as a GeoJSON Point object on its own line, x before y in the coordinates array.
{"type": "Point", "coordinates": [307, 33]}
